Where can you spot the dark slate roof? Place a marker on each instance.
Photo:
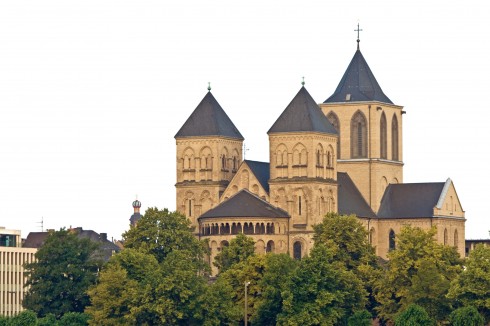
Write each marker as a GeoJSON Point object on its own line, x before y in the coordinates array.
{"type": "Point", "coordinates": [410, 200]}
{"type": "Point", "coordinates": [208, 119]}
{"type": "Point", "coordinates": [261, 170]}
{"type": "Point", "coordinates": [303, 115]}
{"type": "Point", "coordinates": [106, 247]}
{"type": "Point", "coordinates": [245, 204]}
{"type": "Point", "coordinates": [359, 81]}
{"type": "Point", "coordinates": [350, 200]}
{"type": "Point", "coordinates": [35, 239]}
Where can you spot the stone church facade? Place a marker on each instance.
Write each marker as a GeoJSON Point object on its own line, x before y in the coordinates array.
{"type": "Point", "coordinates": [344, 155]}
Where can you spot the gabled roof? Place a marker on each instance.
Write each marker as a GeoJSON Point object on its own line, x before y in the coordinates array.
{"type": "Point", "coordinates": [208, 119]}
{"type": "Point", "coordinates": [410, 200]}
{"type": "Point", "coordinates": [245, 204]}
{"type": "Point", "coordinates": [350, 200]}
{"type": "Point", "coordinates": [261, 170]}
{"type": "Point", "coordinates": [359, 82]}
{"type": "Point", "coordinates": [302, 115]}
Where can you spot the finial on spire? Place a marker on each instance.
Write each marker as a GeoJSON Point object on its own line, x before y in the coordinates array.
{"type": "Point", "coordinates": [358, 30]}
{"type": "Point", "coordinates": [303, 82]}
{"type": "Point", "coordinates": [209, 86]}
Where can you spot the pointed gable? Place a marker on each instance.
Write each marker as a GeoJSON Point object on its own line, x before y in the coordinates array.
{"type": "Point", "coordinates": [245, 204]}
{"type": "Point", "coordinates": [410, 200]}
{"type": "Point", "coordinates": [248, 175]}
{"type": "Point", "coordinates": [448, 203]}
{"type": "Point", "coordinates": [208, 119]}
{"type": "Point", "coordinates": [302, 115]}
{"type": "Point", "coordinates": [358, 84]}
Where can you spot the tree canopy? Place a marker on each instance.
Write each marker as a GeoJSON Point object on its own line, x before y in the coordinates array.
{"type": "Point", "coordinates": [159, 232]}
{"type": "Point", "coordinates": [65, 267]}
{"type": "Point", "coordinates": [320, 292]}
{"type": "Point", "coordinates": [472, 286]}
{"type": "Point", "coordinates": [419, 272]}
{"type": "Point", "coordinates": [240, 248]}
{"type": "Point", "coordinates": [158, 277]}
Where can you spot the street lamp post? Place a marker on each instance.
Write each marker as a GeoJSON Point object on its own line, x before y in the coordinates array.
{"type": "Point", "coordinates": [246, 303]}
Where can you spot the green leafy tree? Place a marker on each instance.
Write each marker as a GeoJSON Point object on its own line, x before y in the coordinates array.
{"type": "Point", "coordinates": [116, 291]}
{"type": "Point", "coordinates": [250, 270]}
{"type": "Point", "coordinates": [156, 280]}
{"type": "Point", "coordinates": [64, 269]}
{"type": "Point", "coordinates": [321, 292]}
{"type": "Point", "coordinates": [349, 239]}
{"type": "Point", "coordinates": [25, 318]}
{"type": "Point", "coordinates": [414, 315]}
{"type": "Point", "coordinates": [48, 320]}
{"type": "Point", "coordinates": [360, 318]}
{"type": "Point", "coordinates": [218, 305]}
{"type": "Point", "coordinates": [419, 272]}
{"type": "Point", "coordinates": [160, 232]}
{"type": "Point", "coordinates": [472, 286]}
{"type": "Point", "coordinates": [240, 248]}
{"type": "Point", "coordinates": [466, 316]}
{"type": "Point", "coordinates": [349, 242]}
{"type": "Point", "coordinates": [73, 319]}
{"type": "Point", "coordinates": [275, 280]}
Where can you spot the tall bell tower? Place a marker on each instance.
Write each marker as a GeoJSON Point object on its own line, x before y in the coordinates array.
{"type": "Point", "coordinates": [369, 126]}
{"type": "Point", "coordinates": [209, 151]}
{"type": "Point", "coordinates": [303, 173]}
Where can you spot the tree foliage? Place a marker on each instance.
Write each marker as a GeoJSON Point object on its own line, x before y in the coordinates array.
{"type": "Point", "coordinates": [250, 270]}
{"type": "Point", "coordinates": [159, 232]}
{"type": "Point", "coordinates": [360, 318]}
{"type": "Point", "coordinates": [419, 272]}
{"type": "Point", "coordinates": [472, 286]}
{"type": "Point", "coordinates": [64, 269]}
{"type": "Point", "coordinates": [25, 318]}
{"type": "Point", "coordinates": [466, 316]}
{"type": "Point", "coordinates": [156, 280]}
{"type": "Point", "coordinates": [347, 238]}
{"type": "Point", "coordinates": [240, 248]}
{"type": "Point", "coordinates": [321, 292]}
{"type": "Point", "coordinates": [275, 280]}
{"type": "Point", "coordinates": [414, 315]}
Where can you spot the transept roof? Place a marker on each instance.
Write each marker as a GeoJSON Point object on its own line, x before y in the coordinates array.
{"type": "Point", "coordinates": [410, 200]}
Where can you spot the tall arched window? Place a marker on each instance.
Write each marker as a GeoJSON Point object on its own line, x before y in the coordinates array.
{"type": "Point", "coordinates": [297, 250]}
{"type": "Point", "coordinates": [383, 134]}
{"type": "Point", "coordinates": [334, 120]}
{"type": "Point", "coordinates": [270, 246]}
{"type": "Point", "coordinates": [372, 233]}
{"type": "Point", "coordinates": [394, 139]}
{"type": "Point", "coordinates": [456, 238]}
{"type": "Point", "coordinates": [391, 240]}
{"type": "Point", "coordinates": [445, 237]}
{"type": "Point", "coordinates": [358, 137]}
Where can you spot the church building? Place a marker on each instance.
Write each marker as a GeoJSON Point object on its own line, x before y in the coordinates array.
{"type": "Point", "coordinates": [344, 155]}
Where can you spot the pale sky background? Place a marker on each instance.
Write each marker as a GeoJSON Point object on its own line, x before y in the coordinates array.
{"type": "Point", "coordinates": [93, 92]}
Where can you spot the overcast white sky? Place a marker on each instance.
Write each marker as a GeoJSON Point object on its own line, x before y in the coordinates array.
{"type": "Point", "coordinates": [93, 92]}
